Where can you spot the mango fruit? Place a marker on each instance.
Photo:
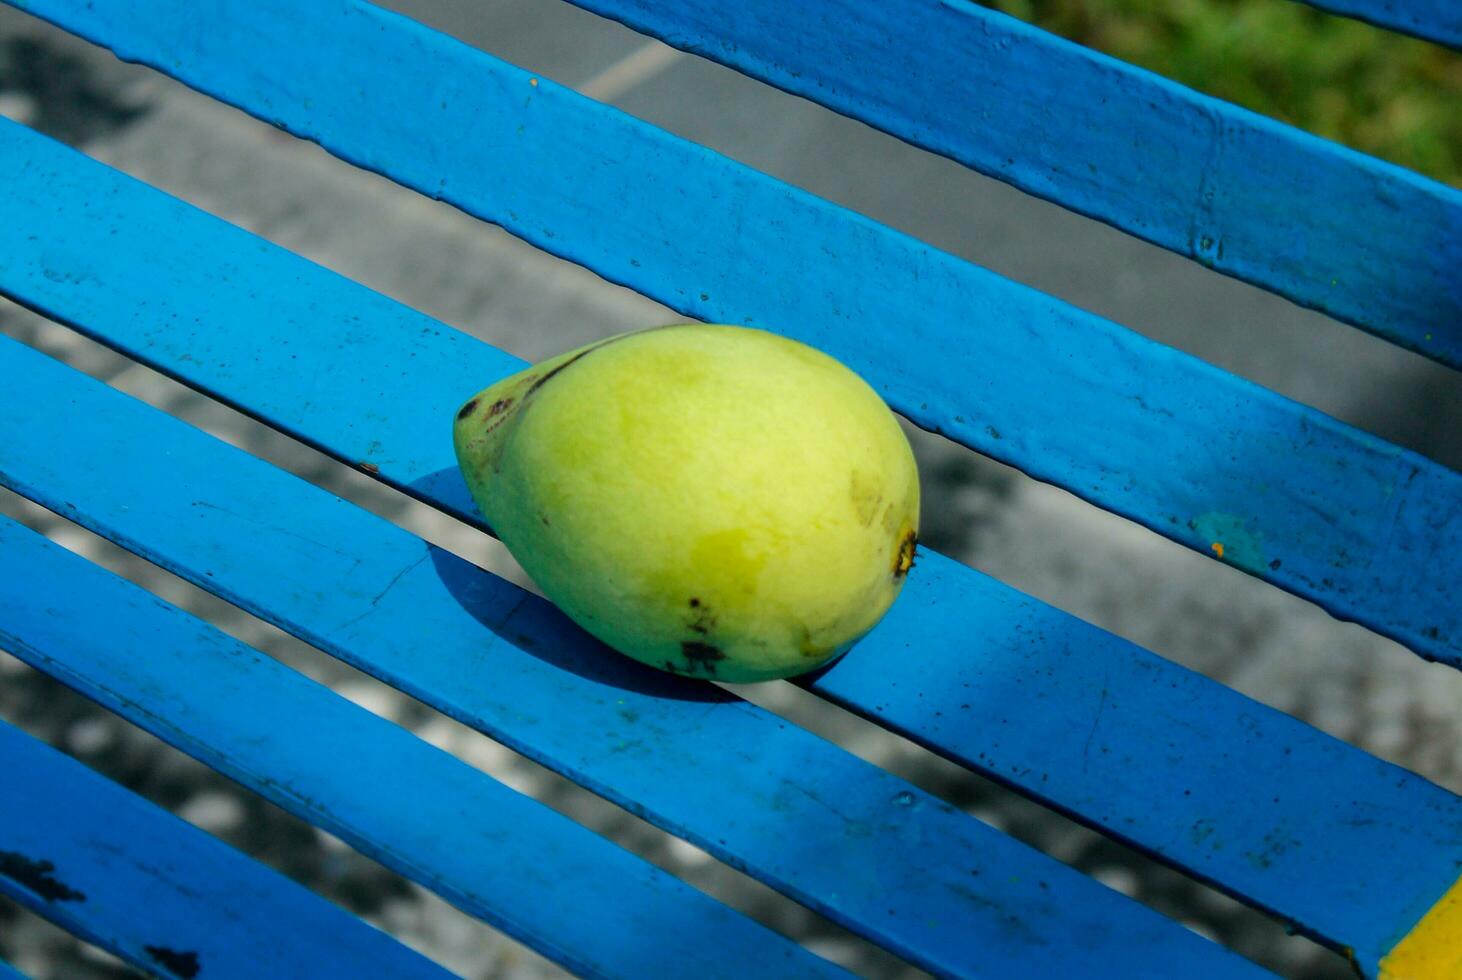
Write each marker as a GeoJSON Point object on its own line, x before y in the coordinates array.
{"type": "Point", "coordinates": [715, 501]}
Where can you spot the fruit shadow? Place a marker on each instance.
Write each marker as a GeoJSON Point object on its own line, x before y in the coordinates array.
{"type": "Point", "coordinates": [536, 627]}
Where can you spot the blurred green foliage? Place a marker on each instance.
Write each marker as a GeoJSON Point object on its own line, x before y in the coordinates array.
{"type": "Point", "coordinates": [1382, 93]}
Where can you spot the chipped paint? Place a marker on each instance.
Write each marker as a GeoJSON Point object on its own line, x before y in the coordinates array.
{"type": "Point", "coordinates": [1231, 540]}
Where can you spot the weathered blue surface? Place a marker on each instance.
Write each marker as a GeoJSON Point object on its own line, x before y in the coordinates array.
{"type": "Point", "coordinates": [1349, 848]}
{"type": "Point", "coordinates": [1434, 20]}
{"type": "Point", "coordinates": [1329, 228]}
{"type": "Point", "coordinates": [497, 854]}
{"type": "Point", "coordinates": [1138, 428]}
{"type": "Point", "coordinates": [393, 603]}
{"type": "Point", "coordinates": [109, 866]}
{"type": "Point", "coordinates": [851, 841]}
{"type": "Point", "coordinates": [8, 972]}
{"type": "Point", "coordinates": [1339, 842]}
{"type": "Point", "coordinates": [375, 390]}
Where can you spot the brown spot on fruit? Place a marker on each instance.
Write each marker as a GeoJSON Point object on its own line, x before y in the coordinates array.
{"type": "Point", "coordinates": [466, 410]}
{"type": "Point", "coordinates": [703, 619]}
{"type": "Point", "coordinates": [701, 656]}
{"type": "Point", "coordinates": [904, 557]}
{"type": "Point", "coordinates": [498, 406]}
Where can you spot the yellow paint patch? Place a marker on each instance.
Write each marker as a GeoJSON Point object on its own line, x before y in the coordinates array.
{"type": "Point", "coordinates": [1432, 950]}
{"type": "Point", "coordinates": [1217, 547]}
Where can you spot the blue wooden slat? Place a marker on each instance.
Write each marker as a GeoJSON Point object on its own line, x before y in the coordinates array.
{"type": "Point", "coordinates": [1140, 429]}
{"type": "Point", "coordinates": [8, 972]}
{"type": "Point", "coordinates": [836, 833]}
{"type": "Point", "coordinates": [1327, 227]}
{"type": "Point", "coordinates": [1360, 239]}
{"type": "Point", "coordinates": [1052, 706]}
{"type": "Point", "coordinates": [133, 879]}
{"type": "Point", "coordinates": [1248, 798]}
{"type": "Point", "coordinates": [1431, 20]}
{"type": "Point", "coordinates": [495, 853]}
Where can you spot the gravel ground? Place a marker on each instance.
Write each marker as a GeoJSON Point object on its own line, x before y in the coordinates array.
{"type": "Point", "coordinates": [1272, 646]}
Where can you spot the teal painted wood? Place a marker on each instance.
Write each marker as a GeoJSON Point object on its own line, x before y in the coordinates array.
{"type": "Point", "coordinates": [869, 850]}
{"type": "Point", "coordinates": [1140, 429]}
{"type": "Point", "coordinates": [133, 879]}
{"type": "Point", "coordinates": [575, 897]}
{"type": "Point", "coordinates": [1431, 20]}
{"type": "Point", "coordinates": [1362, 240]}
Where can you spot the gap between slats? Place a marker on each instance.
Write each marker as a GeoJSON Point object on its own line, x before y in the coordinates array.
{"type": "Point", "coordinates": [49, 948]}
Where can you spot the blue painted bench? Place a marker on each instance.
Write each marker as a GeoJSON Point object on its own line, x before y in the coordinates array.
{"type": "Point", "coordinates": [1355, 852]}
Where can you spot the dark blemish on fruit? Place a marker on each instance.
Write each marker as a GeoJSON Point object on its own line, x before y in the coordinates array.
{"type": "Point", "coordinates": [670, 666]}
{"type": "Point", "coordinates": [701, 656]}
{"type": "Point", "coordinates": [703, 619]}
{"type": "Point", "coordinates": [37, 878]}
{"type": "Point", "coordinates": [179, 964]}
{"type": "Point", "coordinates": [544, 519]}
{"type": "Point", "coordinates": [466, 410]}
{"type": "Point", "coordinates": [370, 468]}
{"type": "Point", "coordinates": [904, 559]}
{"type": "Point", "coordinates": [498, 406]}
